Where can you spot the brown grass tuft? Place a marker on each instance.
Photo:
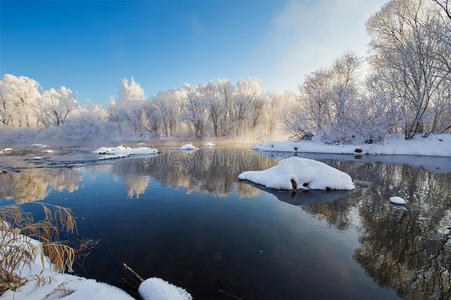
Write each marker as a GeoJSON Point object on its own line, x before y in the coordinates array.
{"type": "Point", "coordinates": [17, 229]}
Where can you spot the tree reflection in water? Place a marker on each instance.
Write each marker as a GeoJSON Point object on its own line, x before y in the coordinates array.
{"type": "Point", "coordinates": [35, 184]}
{"type": "Point", "coordinates": [399, 249]}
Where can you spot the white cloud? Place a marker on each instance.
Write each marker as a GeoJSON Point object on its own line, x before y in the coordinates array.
{"type": "Point", "coordinates": [308, 35]}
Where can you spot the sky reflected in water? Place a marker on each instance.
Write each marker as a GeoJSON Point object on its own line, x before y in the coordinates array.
{"type": "Point", "coordinates": [186, 218]}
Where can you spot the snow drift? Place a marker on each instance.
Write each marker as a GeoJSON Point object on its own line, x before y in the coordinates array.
{"type": "Point", "coordinates": [300, 174]}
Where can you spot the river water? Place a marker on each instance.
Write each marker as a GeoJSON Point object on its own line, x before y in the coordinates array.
{"type": "Point", "coordinates": [185, 217]}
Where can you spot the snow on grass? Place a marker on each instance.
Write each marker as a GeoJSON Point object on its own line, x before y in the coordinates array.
{"type": "Point", "coordinates": [209, 144]}
{"type": "Point", "coordinates": [433, 145]}
{"type": "Point", "coordinates": [159, 289]}
{"type": "Point", "coordinates": [398, 200]}
{"type": "Point", "coordinates": [188, 147]}
{"type": "Point", "coordinates": [306, 174]}
{"type": "Point", "coordinates": [123, 151]}
{"type": "Point", "coordinates": [55, 285]}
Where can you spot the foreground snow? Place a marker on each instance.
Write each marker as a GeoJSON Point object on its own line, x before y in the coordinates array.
{"type": "Point", "coordinates": [123, 151]}
{"type": "Point", "coordinates": [159, 289]}
{"type": "Point", "coordinates": [306, 174]}
{"type": "Point", "coordinates": [56, 285]}
{"type": "Point", "coordinates": [434, 145]}
{"type": "Point", "coordinates": [209, 144]}
{"type": "Point", "coordinates": [188, 147]}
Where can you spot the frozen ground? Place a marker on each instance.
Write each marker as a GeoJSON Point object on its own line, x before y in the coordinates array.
{"type": "Point", "coordinates": [433, 145]}
{"type": "Point", "coordinates": [300, 174]}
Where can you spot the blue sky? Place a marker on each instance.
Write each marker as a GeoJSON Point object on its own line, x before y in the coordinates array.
{"type": "Point", "coordinates": [89, 46]}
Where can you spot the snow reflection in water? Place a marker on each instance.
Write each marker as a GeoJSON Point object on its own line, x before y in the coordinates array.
{"type": "Point", "coordinates": [196, 225]}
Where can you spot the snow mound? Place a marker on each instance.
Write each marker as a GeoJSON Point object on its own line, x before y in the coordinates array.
{"type": "Point", "coordinates": [188, 147]}
{"type": "Point", "coordinates": [300, 173]}
{"type": "Point", "coordinates": [123, 151]}
{"type": "Point", "coordinates": [209, 144]}
{"type": "Point", "coordinates": [398, 200]}
{"type": "Point", "coordinates": [158, 289]}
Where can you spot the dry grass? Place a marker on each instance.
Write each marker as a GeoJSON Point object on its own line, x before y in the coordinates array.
{"type": "Point", "coordinates": [17, 229]}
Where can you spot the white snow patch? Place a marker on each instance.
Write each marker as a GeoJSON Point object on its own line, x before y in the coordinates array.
{"type": "Point", "coordinates": [49, 151]}
{"type": "Point", "coordinates": [37, 157]}
{"type": "Point", "coordinates": [433, 145]}
{"type": "Point", "coordinates": [209, 144]}
{"type": "Point", "coordinates": [398, 200]}
{"type": "Point", "coordinates": [7, 149]}
{"type": "Point", "coordinates": [158, 289]}
{"type": "Point", "coordinates": [307, 173]}
{"type": "Point", "coordinates": [55, 284]}
{"type": "Point", "coordinates": [188, 147]}
{"type": "Point", "coordinates": [123, 151]}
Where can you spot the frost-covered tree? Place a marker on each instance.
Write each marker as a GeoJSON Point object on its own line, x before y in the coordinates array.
{"type": "Point", "coordinates": [130, 91]}
{"type": "Point", "coordinates": [169, 104]}
{"type": "Point", "coordinates": [194, 109]}
{"type": "Point", "coordinates": [18, 96]}
{"type": "Point", "coordinates": [55, 106]}
{"type": "Point", "coordinates": [410, 55]}
{"type": "Point", "coordinates": [330, 102]}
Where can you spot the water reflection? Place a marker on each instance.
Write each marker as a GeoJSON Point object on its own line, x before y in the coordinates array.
{"type": "Point", "coordinates": [212, 171]}
{"type": "Point", "coordinates": [399, 249]}
{"type": "Point", "coordinates": [35, 184]}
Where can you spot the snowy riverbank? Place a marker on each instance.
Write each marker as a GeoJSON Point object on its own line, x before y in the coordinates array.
{"type": "Point", "coordinates": [43, 282]}
{"type": "Point", "coordinates": [433, 145]}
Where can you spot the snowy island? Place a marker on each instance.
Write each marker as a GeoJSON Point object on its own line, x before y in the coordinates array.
{"type": "Point", "coordinates": [297, 173]}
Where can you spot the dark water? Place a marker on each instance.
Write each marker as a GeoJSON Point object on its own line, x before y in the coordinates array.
{"type": "Point", "coordinates": [186, 218]}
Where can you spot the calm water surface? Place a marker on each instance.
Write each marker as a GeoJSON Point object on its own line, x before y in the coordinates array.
{"type": "Point", "coordinates": [186, 218]}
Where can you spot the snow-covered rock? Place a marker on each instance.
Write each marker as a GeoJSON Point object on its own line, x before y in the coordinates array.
{"type": "Point", "coordinates": [209, 144]}
{"type": "Point", "coordinates": [433, 145]}
{"type": "Point", "coordinates": [49, 151]}
{"type": "Point", "coordinates": [158, 289]}
{"type": "Point", "coordinates": [300, 173]}
{"type": "Point", "coordinates": [123, 151]}
{"type": "Point", "coordinates": [398, 200]}
{"type": "Point", "coordinates": [7, 149]}
{"type": "Point", "coordinates": [188, 147]}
